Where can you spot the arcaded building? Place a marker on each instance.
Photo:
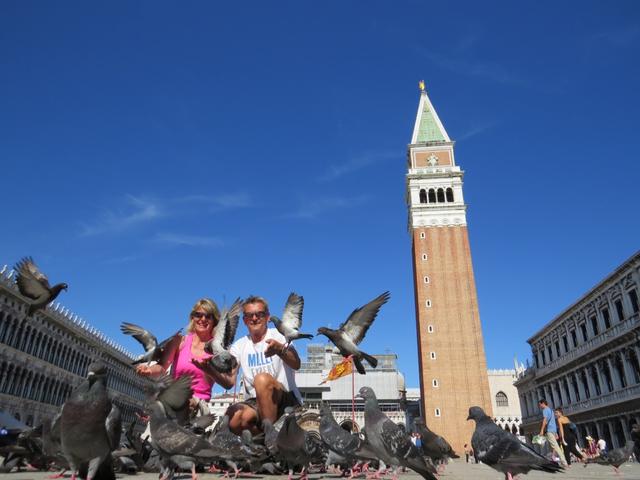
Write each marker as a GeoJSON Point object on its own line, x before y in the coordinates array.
{"type": "Point", "coordinates": [453, 367]}
{"type": "Point", "coordinates": [587, 360]}
{"type": "Point", "coordinates": [45, 356]}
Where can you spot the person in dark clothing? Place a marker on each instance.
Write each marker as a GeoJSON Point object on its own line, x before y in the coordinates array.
{"type": "Point", "coordinates": [568, 436]}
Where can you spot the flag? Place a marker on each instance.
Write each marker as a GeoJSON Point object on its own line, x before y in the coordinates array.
{"type": "Point", "coordinates": [345, 367]}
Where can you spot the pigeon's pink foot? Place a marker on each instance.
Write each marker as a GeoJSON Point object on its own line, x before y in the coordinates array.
{"type": "Point", "coordinates": [214, 469]}
{"type": "Point", "coordinates": [194, 475]}
{"type": "Point", "coordinates": [58, 475]}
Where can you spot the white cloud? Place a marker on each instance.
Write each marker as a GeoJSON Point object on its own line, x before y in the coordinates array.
{"type": "Point", "coordinates": [357, 163]}
{"type": "Point", "coordinates": [318, 206]}
{"type": "Point", "coordinates": [138, 211]}
{"type": "Point", "coordinates": [176, 239]}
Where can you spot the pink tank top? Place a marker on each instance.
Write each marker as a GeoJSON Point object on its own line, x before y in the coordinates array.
{"type": "Point", "coordinates": [200, 384]}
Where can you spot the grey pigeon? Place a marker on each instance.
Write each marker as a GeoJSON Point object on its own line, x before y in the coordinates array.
{"type": "Point", "coordinates": [297, 447]}
{"type": "Point", "coordinates": [34, 285]}
{"type": "Point", "coordinates": [347, 445]}
{"type": "Point", "coordinates": [236, 449]}
{"type": "Point", "coordinates": [289, 325]}
{"type": "Point", "coordinates": [176, 445]}
{"type": "Point", "coordinates": [162, 352]}
{"type": "Point", "coordinates": [353, 330]}
{"type": "Point", "coordinates": [614, 457]}
{"type": "Point", "coordinates": [502, 450]}
{"type": "Point", "coordinates": [434, 446]}
{"type": "Point", "coordinates": [223, 337]}
{"type": "Point", "coordinates": [84, 437]}
{"type": "Point", "coordinates": [389, 441]}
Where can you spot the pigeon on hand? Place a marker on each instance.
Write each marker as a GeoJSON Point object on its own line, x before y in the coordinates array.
{"type": "Point", "coordinates": [615, 457]}
{"type": "Point", "coordinates": [289, 325]}
{"type": "Point", "coordinates": [162, 352]}
{"type": "Point", "coordinates": [84, 437]}
{"type": "Point", "coordinates": [33, 284]}
{"type": "Point", "coordinates": [502, 450]}
{"type": "Point", "coordinates": [225, 333]}
{"type": "Point", "coordinates": [353, 330]}
{"type": "Point", "coordinates": [390, 442]}
{"type": "Point", "coordinates": [296, 446]}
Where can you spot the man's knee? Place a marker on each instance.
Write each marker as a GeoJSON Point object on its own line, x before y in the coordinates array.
{"type": "Point", "coordinates": [264, 382]}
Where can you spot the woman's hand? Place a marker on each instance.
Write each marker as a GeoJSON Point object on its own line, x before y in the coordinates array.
{"type": "Point", "coordinates": [149, 371]}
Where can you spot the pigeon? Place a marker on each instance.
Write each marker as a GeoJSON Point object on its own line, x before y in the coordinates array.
{"type": "Point", "coordinates": [297, 447]}
{"type": "Point", "coordinates": [34, 285]}
{"type": "Point", "coordinates": [615, 457]}
{"type": "Point", "coordinates": [175, 444]}
{"type": "Point", "coordinates": [291, 320]}
{"type": "Point", "coordinates": [84, 437]}
{"type": "Point", "coordinates": [347, 445]}
{"type": "Point", "coordinates": [389, 441]}
{"type": "Point", "coordinates": [223, 337]}
{"type": "Point", "coordinates": [236, 449]}
{"type": "Point", "coordinates": [502, 450]}
{"type": "Point", "coordinates": [434, 446]}
{"type": "Point", "coordinates": [353, 330]}
{"type": "Point", "coordinates": [161, 353]}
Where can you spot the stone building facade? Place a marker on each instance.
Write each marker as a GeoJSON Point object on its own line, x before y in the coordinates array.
{"type": "Point", "coordinates": [504, 398]}
{"type": "Point", "coordinates": [587, 360]}
{"type": "Point", "coordinates": [453, 367]}
{"type": "Point", "coordinates": [45, 356]}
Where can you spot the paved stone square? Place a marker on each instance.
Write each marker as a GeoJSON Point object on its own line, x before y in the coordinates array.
{"type": "Point", "coordinates": [455, 471]}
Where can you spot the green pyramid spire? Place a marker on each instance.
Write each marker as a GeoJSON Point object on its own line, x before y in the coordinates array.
{"type": "Point", "coordinates": [428, 126]}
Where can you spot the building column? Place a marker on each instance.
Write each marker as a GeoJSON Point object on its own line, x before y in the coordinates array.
{"type": "Point", "coordinates": [626, 366]}
{"type": "Point", "coordinates": [612, 432]}
{"type": "Point", "coordinates": [578, 381]}
{"type": "Point", "coordinates": [558, 388]}
{"type": "Point", "coordinates": [614, 374]}
{"type": "Point", "coordinates": [601, 380]}
{"type": "Point", "coordinates": [567, 381]}
{"type": "Point", "coordinates": [590, 382]}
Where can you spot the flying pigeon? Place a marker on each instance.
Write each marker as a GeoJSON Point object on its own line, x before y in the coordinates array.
{"type": "Point", "coordinates": [615, 457]}
{"type": "Point", "coordinates": [297, 447]}
{"type": "Point", "coordinates": [289, 325]}
{"type": "Point", "coordinates": [154, 352]}
{"type": "Point", "coordinates": [353, 330]}
{"type": "Point", "coordinates": [502, 450]}
{"type": "Point", "coordinates": [348, 446]}
{"type": "Point", "coordinates": [223, 337]}
{"type": "Point", "coordinates": [434, 446]}
{"type": "Point", "coordinates": [83, 432]}
{"type": "Point", "coordinates": [389, 441]}
{"type": "Point", "coordinates": [34, 285]}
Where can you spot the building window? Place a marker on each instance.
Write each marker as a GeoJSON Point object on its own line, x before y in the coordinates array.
{"type": "Point", "coordinates": [428, 303]}
{"type": "Point", "coordinates": [434, 382]}
{"type": "Point", "coordinates": [426, 279]}
{"type": "Point", "coordinates": [424, 256]}
{"type": "Point", "coordinates": [619, 310]}
{"type": "Point", "coordinates": [574, 338]}
{"type": "Point", "coordinates": [606, 317]}
{"type": "Point", "coordinates": [583, 329]}
{"type": "Point", "coordinates": [440, 195]}
{"type": "Point", "coordinates": [432, 195]}
{"type": "Point", "coordinates": [437, 412]}
{"type": "Point", "coordinates": [594, 325]}
{"type": "Point", "coordinates": [430, 328]}
{"type": "Point", "coordinates": [422, 235]}
{"type": "Point", "coordinates": [433, 355]}
{"type": "Point", "coordinates": [549, 350]}
{"type": "Point", "coordinates": [565, 343]}
{"type": "Point", "coordinates": [633, 296]}
{"type": "Point", "coordinates": [502, 400]}
{"type": "Point", "coordinates": [449, 195]}
{"type": "Point", "coordinates": [557, 344]}
{"type": "Point", "coordinates": [423, 196]}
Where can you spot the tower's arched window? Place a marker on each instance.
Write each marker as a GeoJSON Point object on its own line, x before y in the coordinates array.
{"type": "Point", "coordinates": [449, 194]}
{"type": "Point", "coordinates": [502, 400]}
{"type": "Point", "coordinates": [440, 195]}
{"type": "Point", "coordinates": [423, 196]}
{"type": "Point", "coordinates": [432, 195]}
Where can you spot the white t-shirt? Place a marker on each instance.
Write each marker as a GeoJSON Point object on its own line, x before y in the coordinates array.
{"type": "Point", "coordinates": [602, 444]}
{"type": "Point", "coordinates": [252, 360]}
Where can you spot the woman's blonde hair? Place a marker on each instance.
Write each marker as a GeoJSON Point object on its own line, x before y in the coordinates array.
{"type": "Point", "coordinates": [209, 306]}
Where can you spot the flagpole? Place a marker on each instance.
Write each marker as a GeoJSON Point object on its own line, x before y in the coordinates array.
{"type": "Point", "coordinates": [353, 398]}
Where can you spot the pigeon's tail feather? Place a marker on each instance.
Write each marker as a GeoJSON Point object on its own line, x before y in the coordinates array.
{"type": "Point", "coordinates": [359, 366]}
{"type": "Point", "coordinates": [421, 470]}
{"type": "Point", "coordinates": [373, 361]}
{"type": "Point", "coordinates": [549, 467]}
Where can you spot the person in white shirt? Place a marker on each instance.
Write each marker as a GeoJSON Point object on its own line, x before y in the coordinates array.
{"type": "Point", "coordinates": [268, 371]}
{"type": "Point", "coordinates": [602, 446]}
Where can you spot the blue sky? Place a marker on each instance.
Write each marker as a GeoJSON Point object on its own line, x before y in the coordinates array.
{"type": "Point", "coordinates": [154, 152]}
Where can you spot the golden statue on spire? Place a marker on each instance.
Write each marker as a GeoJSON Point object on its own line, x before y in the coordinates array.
{"type": "Point", "coordinates": [421, 85]}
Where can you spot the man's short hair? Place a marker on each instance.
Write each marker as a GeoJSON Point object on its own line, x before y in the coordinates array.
{"type": "Point", "coordinates": [256, 299]}
{"type": "Point", "coordinates": [543, 401]}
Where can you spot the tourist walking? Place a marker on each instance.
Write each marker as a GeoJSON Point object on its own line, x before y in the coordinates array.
{"type": "Point", "coordinates": [568, 436]}
{"type": "Point", "coordinates": [549, 430]}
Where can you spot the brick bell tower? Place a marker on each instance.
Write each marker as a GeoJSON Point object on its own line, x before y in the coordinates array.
{"type": "Point", "coordinates": [453, 367]}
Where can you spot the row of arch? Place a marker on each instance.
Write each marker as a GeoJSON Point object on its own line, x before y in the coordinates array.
{"type": "Point", "coordinates": [19, 334]}
{"type": "Point", "coordinates": [20, 382]}
{"type": "Point", "coordinates": [439, 195]}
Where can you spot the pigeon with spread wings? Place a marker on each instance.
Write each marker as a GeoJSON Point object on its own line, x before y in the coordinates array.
{"type": "Point", "coordinates": [162, 352]}
{"type": "Point", "coordinates": [34, 285]}
{"type": "Point", "coordinates": [289, 325]}
{"type": "Point", "coordinates": [225, 333]}
{"type": "Point", "coordinates": [353, 330]}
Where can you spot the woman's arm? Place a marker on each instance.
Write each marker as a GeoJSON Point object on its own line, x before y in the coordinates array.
{"type": "Point", "coordinates": [157, 370]}
{"type": "Point", "coordinates": [226, 380]}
